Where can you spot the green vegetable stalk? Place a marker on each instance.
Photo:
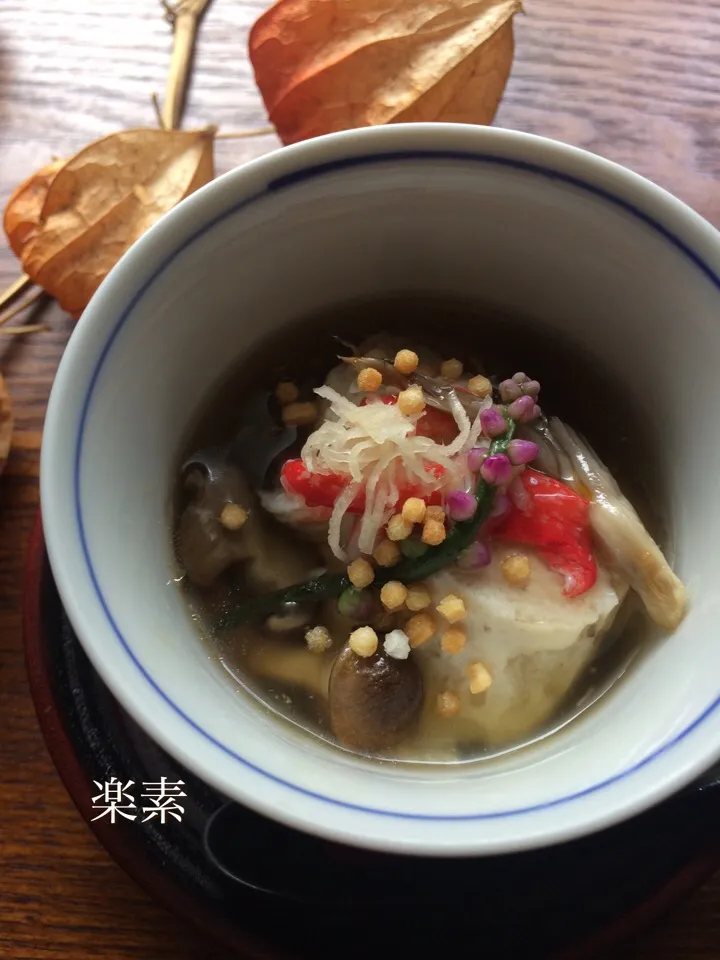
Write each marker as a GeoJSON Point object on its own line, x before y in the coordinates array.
{"type": "Point", "coordinates": [408, 571]}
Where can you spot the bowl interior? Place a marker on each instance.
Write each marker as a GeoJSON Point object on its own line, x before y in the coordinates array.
{"type": "Point", "coordinates": [590, 251]}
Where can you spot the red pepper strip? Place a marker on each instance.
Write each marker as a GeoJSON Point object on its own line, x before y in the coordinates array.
{"type": "Point", "coordinates": [433, 423]}
{"type": "Point", "coordinates": [323, 489]}
{"type": "Point", "coordinates": [556, 524]}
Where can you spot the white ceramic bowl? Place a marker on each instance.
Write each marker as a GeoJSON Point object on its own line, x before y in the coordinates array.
{"type": "Point", "coordinates": [542, 228]}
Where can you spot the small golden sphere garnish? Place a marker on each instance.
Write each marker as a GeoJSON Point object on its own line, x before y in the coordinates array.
{"type": "Point", "coordinates": [413, 510]}
{"type": "Point", "coordinates": [406, 362]}
{"type": "Point", "coordinates": [451, 369]}
{"type": "Point", "coordinates": [233, 516]}
{"type": "Point", "coordinates": [452, 608]}
{"type": "Point", "coordinates": [418, 597]}
{"type": "Point", "coordinates": [420, 629]}
{"type": "Point", "coordinates": [387, 554]}
{"type": "Point", "coordinates": [393, 594]}
{"type": "Point", "coordinates": [318, 640]}
{"type": "Point", "coordinates": [369, 380]}
{"type": "Point", "coordinates": [435, 513]}
{"type": "Point", "coordinates": [363, 641]}
{"type": "Point", "coordinates": [516, 569]}
{"type": "Point", "coordinates": [398, 528]}
{"type": "Point", "coordinates": [447, 704]}
{"type": "Point", "coordinates": [480, 387]}
{"type": "Point", "coordinates": [360, 573]}
{"type": "Point", "coordinates": [453, 640]}
{"type": "Point", "coordinates": [411, 401]}
{"type": "Point", "coordinates": [433, 532]}
{"type": "Point", "coordinates": [479, 676]}
{"type": "Point", "coordinates": [299, 414]}
{"type": "Point", "coordinates": [286, 392]}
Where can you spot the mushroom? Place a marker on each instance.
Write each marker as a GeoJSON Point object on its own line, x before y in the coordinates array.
{"type": "Point", "coordinates": [289, 663]}
{"type": "Point", "coordinates": [438, 392]}
{"type": "Point", "coordinates": [260, 439]}
{"type": "Point", "coordinates": [621, 535]}
{"type": "Point", "coordinates": [374, 701]}
{"type": "Point", "coordinates": [207, 547]}
{"type": "Point", "coordinates": [291, 616]}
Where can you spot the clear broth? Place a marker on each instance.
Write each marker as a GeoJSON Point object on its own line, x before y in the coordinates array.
{"type": "Point", "coordinates": [574, 387]}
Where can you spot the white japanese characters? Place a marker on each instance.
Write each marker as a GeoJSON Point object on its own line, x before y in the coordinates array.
{"type": "Point", "coordinates": [160, 800]}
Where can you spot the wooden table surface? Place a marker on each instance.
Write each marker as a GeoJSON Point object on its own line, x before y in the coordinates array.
{"type": "Point", "coordinates": [637, 81]}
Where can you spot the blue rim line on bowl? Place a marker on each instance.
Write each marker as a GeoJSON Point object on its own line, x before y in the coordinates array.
{"type": "Point", "coordinates": [277, 185]}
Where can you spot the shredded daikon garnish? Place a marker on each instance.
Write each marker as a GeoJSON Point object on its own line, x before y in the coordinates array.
{"type": "Point", "coordinates": [463, 423]}
{"type": "Point", "coordinates": [375, 447]}
{"type": "Point", "coordinates": [475, 429]}
{"type": "Point", "coordinates": [339, 510]}
{"type": "Point", "coordinates": [377, 501]}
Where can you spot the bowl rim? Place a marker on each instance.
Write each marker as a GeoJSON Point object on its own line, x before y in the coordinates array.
{"type": "Point", "coordinates": [281, 170]}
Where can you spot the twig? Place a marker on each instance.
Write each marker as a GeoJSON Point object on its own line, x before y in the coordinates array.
{"type": "Point", "coordinates": [158, 111]}
{"type": "Point", "coordinates": [169, 12]}
{"type": "Point", "coordinates": [185, 19]}
{"type": "Point", "coordinates": [242, 134]}
{"type": "Point", "coordinates": [16, 331]}
{"type": "Point", "coordinates": [19, 307]}
{"type": "Point", "coordinates": [15, 288]}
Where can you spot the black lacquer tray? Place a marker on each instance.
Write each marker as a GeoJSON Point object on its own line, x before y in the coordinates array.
{"type": "Point", "coordinates": [267, 891]}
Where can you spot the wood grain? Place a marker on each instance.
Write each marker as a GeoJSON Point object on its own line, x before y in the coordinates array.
{"type": "Point", "coordinates": [637, 81]}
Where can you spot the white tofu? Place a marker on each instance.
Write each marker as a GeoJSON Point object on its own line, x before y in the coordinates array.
{"type": "Point", "coordinates": [534, 641]}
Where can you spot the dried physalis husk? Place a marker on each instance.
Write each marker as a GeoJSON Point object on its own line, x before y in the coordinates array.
{"type": "Point", "coordinates": [22, 213]}
{"type": "Point", "coordinates": [324, 66]}
{"type": "Point", "coordinates": [6, 423]}
{"type": "Point", "coordinates": [98, 203]}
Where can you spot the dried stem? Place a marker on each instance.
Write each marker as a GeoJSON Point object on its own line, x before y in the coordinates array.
{"type": "Point", "coordinates": [15, 288]}
{"type": "Point", "coordinates": [158, 110]}
{"type": "Point", "coordinates": [19, 307]}
{"type": "Point", "coordinates": [185, 18]}
{"type": "Point", "coordinates": [18, 331]}
{"type": "Point", "coordinates": [242, 134]}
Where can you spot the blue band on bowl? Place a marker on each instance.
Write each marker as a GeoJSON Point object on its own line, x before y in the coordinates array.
{"type": "Point", "coordinates": [283, 183]}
